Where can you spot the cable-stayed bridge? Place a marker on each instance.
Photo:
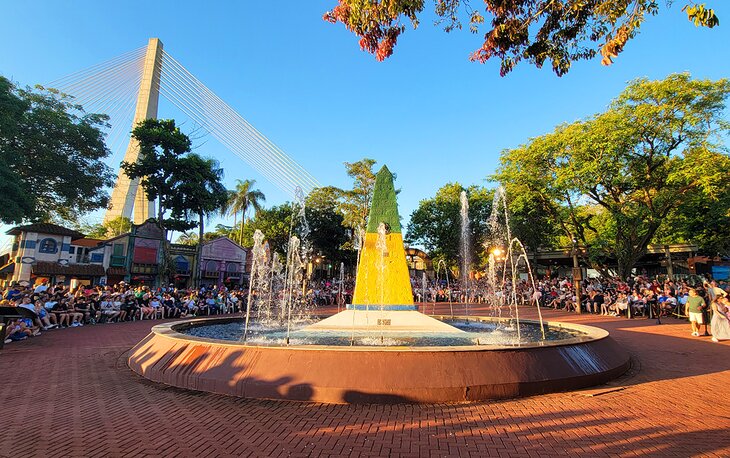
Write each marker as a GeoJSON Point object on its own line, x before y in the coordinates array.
{"type": "Point", "coordinates": [128, 87]}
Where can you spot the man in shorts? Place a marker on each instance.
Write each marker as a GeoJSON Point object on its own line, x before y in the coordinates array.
{"type": "Point", "coordinates": [695, 306]}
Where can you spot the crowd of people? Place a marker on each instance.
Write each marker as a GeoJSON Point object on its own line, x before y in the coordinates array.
{"type": "Point", "coordinates": [638, 296]}
{"type": "Point", "coordinates": [58, 306]}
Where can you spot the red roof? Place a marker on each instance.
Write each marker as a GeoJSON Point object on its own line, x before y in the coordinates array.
{"type": "Point", "coordinates": [90, 243]}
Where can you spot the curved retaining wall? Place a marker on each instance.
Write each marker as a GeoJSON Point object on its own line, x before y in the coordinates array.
{"type": "Point", "coordinates": [375, 375]}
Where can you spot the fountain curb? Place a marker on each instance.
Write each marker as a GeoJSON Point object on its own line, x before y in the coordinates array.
{"type": "Point", "coordinates": [375, 374]}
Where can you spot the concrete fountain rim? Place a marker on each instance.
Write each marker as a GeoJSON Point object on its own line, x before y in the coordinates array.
{"type": "Point", "coordinates": [592, 333]}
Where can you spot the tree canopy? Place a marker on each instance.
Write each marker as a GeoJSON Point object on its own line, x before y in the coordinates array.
{"type": "Point", "coordinates": [51, 156]}
{"type": "Point", "coordinates": [276, 225]}
{"type": "Point", "coordinates": [536, 31]}
{"type": "Point", "coordinates": [198, 191]}
{"type": "Point", "coordinates": [355, 202]}
{"type": "Point", "coordinates": [117, 226]}
{"type": "Point", "coordinates": [610, 181]}
{"type": "Point", "coordinates": [243, 197]}
{"type": "Point", "coordinates": [435, 223]}
{"type": "Point", "coordinates": [161, 144]}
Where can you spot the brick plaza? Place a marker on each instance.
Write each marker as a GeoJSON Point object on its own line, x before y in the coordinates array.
{"type": "Point", "coordinates": [70, 393]}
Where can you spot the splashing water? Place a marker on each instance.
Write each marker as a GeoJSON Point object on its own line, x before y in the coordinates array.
{"type": "Point", "coordinates": [465, 248]}
{"type": "Point", "coordinates": [382, 246]}
{"type": "Point", "coordinates": [259, 259]}
{"type": "Point", "coordinates": [507, 254]}
{"type": "Point", "coordinates": [448, 286]}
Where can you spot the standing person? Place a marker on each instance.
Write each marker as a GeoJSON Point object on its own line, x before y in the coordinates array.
{"type": "Point", "coordinates": [713, 290]}
{"type": "Point", "coordinates": [695, 306]}
{"type": "Point", "coordinates": [720, 323]}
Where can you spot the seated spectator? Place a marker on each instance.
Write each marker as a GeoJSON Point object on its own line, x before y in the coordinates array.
{"type": "Point", "coordinates": [570, 302]}
{"type": "Point", "coordinates": [76, 316]}
{"type": "Point", "coordinates": [46, 319]}
{"type": "Point", "coordinates": [144, 309]}
{"type": "Point", "coordinates": [606, 304]}
{"type": "Point", "coordinates": [637, 304]}
{"type": "Point", "coordinates": [621, 304]}
{"type": "Point", "coordinates": [14, 293]}
{"type": "Point", "coordinates": [169, 304]}
{"type": "Point", "coordinates": [84, 307]}
{"type": "Point", "coordinates": [130, 308]}
{"type": "Point", "coordinates": [17, 330]}
{"type": "Point", "coordinates": [157, 307]}
{"type": "Point", "coordinates": [108, 310]}
{"type": "Point", "coordinates": [191, 304]}
{"type": "Point", "coordinates": [60, 310]}
{"type": "Point", "coordinates": [212, 304]}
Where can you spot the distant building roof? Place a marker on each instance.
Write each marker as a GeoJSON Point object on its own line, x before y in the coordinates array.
{"type": "Point", "coordinates": [46, 228]}
{"type": "Point", "coordinates": [117, 237]}
{"type": "Point", "coordinates": [91, 243]}
{"type": "Point", "coordinates": [223, 237]}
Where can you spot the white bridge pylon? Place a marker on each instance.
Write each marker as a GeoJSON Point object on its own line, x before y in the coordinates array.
{"type": "Point", "coordinates": [141, 76]}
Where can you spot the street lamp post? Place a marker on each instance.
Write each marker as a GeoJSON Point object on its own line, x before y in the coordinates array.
{"type": "Point", "coordinates": [577, 277]}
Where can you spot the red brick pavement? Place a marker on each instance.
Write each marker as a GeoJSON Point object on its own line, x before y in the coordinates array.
{"type": "Point", "coordinates": [69, 393]}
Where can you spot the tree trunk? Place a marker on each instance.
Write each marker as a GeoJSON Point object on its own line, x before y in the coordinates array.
{"type": "Point", "coordinates": [163, 273]}
{"type": "Point", "coordinates": [198, 252]}
{"type": "Point", "coordinates": [240, 232]}
{"type": "Point", "coordinates": [243, 218]}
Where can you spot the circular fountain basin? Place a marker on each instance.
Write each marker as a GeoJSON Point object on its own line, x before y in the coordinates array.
{"type": "Point", "coordinates": [421, 369]}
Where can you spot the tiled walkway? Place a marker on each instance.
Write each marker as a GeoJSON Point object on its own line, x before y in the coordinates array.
{"type": "Point", "coordinates": [69, 393]}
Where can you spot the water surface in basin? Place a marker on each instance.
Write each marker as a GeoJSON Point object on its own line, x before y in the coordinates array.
{"type": "Point", "coordinates": [476, 332]}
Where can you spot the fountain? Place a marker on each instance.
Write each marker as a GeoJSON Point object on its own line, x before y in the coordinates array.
{"type": "Point", "coordinates": [380, 348]}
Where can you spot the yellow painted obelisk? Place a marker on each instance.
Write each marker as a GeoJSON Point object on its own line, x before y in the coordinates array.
{"type": "Point", "coordinates": [382, 276]}
{"type": "Point", "coordinates": [383, 299]}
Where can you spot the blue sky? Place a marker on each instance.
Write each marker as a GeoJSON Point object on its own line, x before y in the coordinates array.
{"type": "Point", "coordinates": [427, 112]}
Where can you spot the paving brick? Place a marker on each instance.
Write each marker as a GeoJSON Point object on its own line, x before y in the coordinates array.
{"type": "Point", "coordinates": [74, 390]}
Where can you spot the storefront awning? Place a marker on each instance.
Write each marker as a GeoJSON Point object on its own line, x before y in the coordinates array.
{"type": "Point", "coordinates": [78, 270]}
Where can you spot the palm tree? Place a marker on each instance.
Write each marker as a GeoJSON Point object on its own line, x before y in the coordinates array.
{"type": "Point", "coordinates": [188, 238]}
{"type": "Point", "coordinates": [243, 197]}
